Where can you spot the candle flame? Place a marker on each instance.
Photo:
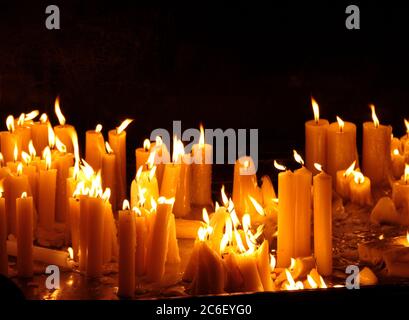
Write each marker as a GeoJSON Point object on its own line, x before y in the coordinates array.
{"type": "Point", "coordinates": [406, 125]}
{"type": "Point", "coordinates": [1, 160]}
{"type": "Point", "coordinates": [279, 166]}
{"type": "Point", "coordinates": [57, 109]}
{"type": "Point", "coordinates": [406, 174]}
{"type": "Point", "coordinates": [223, 243]}
{"type": "Point", "coordinates": [395, 152]}
{"type": "Point", "coordinates": [154, 205]}
{"type": "Point", "coordinates": [323, 285]}
{"type": "Point", "coordinates": [381, 237]}
{"type": "Point", "coordinates": [19, 169]}
{"type": "Point", "coordinates": [47, 157]}
{"type": "Point", "coordinates": [151, 159]}
{"type": "Point", "coordinates": [178, 150]}
{"type": "Point", "coordinates": [202, 136]}
{"type": "Point", "coordinates": [108, 148]}
{"type": "Point", "coordinates": [318, 166]}
{"type": "Point", "coordinates": [146, 144]}
{"type": "Point", "coordinates": [15, 152]}
{"type": "Point", "coordinates": [257, 206]}
{"type": "Point", "coordinates": [291, 283]}
{"type": "Point", "coordinates": [312, 282]}
{"type": "Point", "coordinates": [374, 117]}
{"type": "Point", "coordinates": [51, 136]}
{"type": "Point", "coordinates": [106, 195]}
{"type": "Point", "coordinates": [70, 253]}
{"type": "Point", "coordinates": [60, 146]}
{"type": "Point", "coordinates": [407, 237]}
{"type": "Point", "coordinates": [163, 200]}
{"type": "Point", "coordinates": [24, 195]}
{"type": "Point", "coordinates": [292, 264]}
{"type": "Point", "coordinates": [225, 200]}
{"type": "Point", "coordinates": [10, 123]}
{"type": "Point", "coordinates": [31, 149]}
{"type": "Point", "coordinates": [273, 262]}
{"type": "Point", "coordinates": [20, 121]}
{"type": "Point", "coordinates": [26, 157]}
{"type": "Point", "coordinates": [298, 158]}
{"type": "Point", "coordinates": [315, 109]}
{"type": "Point", "coordinates": [123, 125]}
{"type": "Point", "coordinates": [350, 169]}
{"type": "Point", "coordinates": [125, 205]}
{"type": "Point", "coordinates": [202, 234]}
{"type": "Point", "coordinates": [43, 118]}
{"type": "Point", "coordinates": [205, 216]}
{"type": "Point", "coordinates": [137, 211]}
{"type": "Point", "coordinates": [341, 124]}
{"type": "Point", "coordinates": [138, 173]}
{"type": "Point", "coordinates": [98, 128]}
{"type": "Point", "coordinates": [75, 145]}
{"type": "Point", "coordinates": [246, 164]}
{"type": "Point", "coordinates": [31, 115]}
{"type": "Point", "coordinates": [358, 177]}
{"type": "Point", "coordinates": [76, 170]}
{"type": "Point", "coordinates": [158, 141]}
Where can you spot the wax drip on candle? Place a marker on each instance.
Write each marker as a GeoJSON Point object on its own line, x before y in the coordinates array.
{"type": "Point", "coordinates": [374, 116]}
{"type": "Point", "coordinates": [316, 110]}
{"type": "Point", "coordinates": [341, 124]}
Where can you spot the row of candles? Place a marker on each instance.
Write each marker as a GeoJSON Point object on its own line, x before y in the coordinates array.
{"type": "Point", "coordinates": [59, 187]}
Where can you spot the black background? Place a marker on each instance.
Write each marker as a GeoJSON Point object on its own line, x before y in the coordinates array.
{"type": "Point", "coordinates": [236, 65]}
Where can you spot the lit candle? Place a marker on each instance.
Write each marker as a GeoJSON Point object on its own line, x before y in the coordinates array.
{"type": "Point", "coordinates": [172, 171]}
{"type": "Point", "coordinates": [158, 245]}
{"type": "Point", "coordinates": [400, 192]}
{"type": "Point", "coordinates": [14, 186]}
{"type": "Point", "coordinates": [94, 147]}
{"type": "Point", "coordinates": [24, 210]}
{"type": "Point", "coordinates": [47, 181]}
{"type": "Point", "coordinates": [360, 189]}
{"type": "Point", "coordinates": [376, 159]}
{"type": "Point", "coordinates": [10, 140]}
{"type": "Point", "coordinates": [322, 198]}
{"type": "Point", "coordinates": [23, 130]}
{"type": "Point", "coordinates": [117, 141]}
{"type": "Point", "coordinates": [344, 178]}
{"type": "Point", "coordinates": [398, 163]}
{"type": "Point", "coordinates": [142, 154]}
{"type": "Point", "coordinates": [286, 216]}
{"type": "Point", "coordinates": [201, 192]}
{"type": "Point", "coordinates": [39, 133]}
{"type": "Point", "coordinates": [302, 232]}
{"type": "Point", "coordinates": [108, 172]}
{"type": "Point", "coordinates": [245, 186]}
{"type": "Point", "coordinates": [182, 207]}
{"type": "Point", "coordinates": [162, 157]}
{"type": "Point", "coordinates": [31, 172]}
{"type": "Point", "coordinates": [315, 139]}
{"type": "Point", "coordinates": [74, 214]}
{"type": "Point", "coordinates": [12, 165]}
{"type": "Point", "coordinates": [127, 244]}
{"type": "Point", "coordinates": [141, 242]}
{"type": "Point", "coordinates": [83, 230]}
{"type": "Point", "coordinates": [108, 225]}
{"type": "Point", "coordinates": [144, 188]}
{"type": "Point", "coordinates": [341, 146]}
{"type": "Point", "coordinates": [64, 131]}
{"type": "Point", "coordinates": [3, 236]}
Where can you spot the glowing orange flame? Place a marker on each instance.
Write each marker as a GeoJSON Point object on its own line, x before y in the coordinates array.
{"type": "Point", "coordinates": [32, 115]}
{"type": "Point", "coordinates": [163, 200]}
{"type": "Point", "coordinates": [406, 174]}
{"type": "Point", "coordinates": [20, 169]}
{"type": "Point", "coordinates": [125, 205]}
{"type": "Point", "coordinates": [341, 124]}
{"type": "Point", "coordinates": [292, 264]}
{"type": "Point", "coordinates": [225, 200]}
{"type": "Point", "coordinates": [205, 216]}
{"type": "Point", "coordinates": [279, 166]}
{"type": "Point", "coordinates": [108, 148]}
{"type": "Point", "coordinates": [358, 177]}
{"type": "Point", "coordinates": [350, 170]}
{"type": "Point", "coordinates": [26, 158]}
{"type": "Point", "coordinates": [257, 206]}
{"type": "Point", "coordinates": [202, 136]}
{"type": "Point", "coordinates": [406, 125]}
{"type": "Point", "coordinates": [315, 109]}
{"type": "Point", "coordinates": [273, 262]}
{"type": "Point", "coordinates": [151, 159]}
{"type": "Point", "coordinates": [312, 282]}
{"type": "Point", "coordinates": [98, 128]}
{"type": "Point", "coordinates": [374, 117]}
{"type": "Point", "coordinates": [407, 237]}
{"type": "Point", "coordinates": [123, 126]}
{"type": "Point", "coordinates": [10, 123]}
{"type": "Point", "coordinates": [51, 136]}
{"type": "Point", "coordinates": [178, 150]}
{"type": "Point", "coordinates": [60, 146]}
{"type": "Point", "coordinates": [298, 158]}
{"type": "Point", "coordinates": [15, 152]}
{"type": "Point", "coordinates": [395, 152]}
{"type": "Point", "coordinates": [24, 195]}
{"type": "Point", "coordinates": [57, 109]}
{"type": "Point", "coordinates": [47, 157]}
{"type": "Point", "coordinates": [31, 149]}
{"type": "Point", "coordinates": [106, 195]}
{"type": "Point", "coordinates": [146, 144]}
{"type": "Point", "coordinates": [44, 118]}
{"type": "Point", "coordinates": [318, 167]}
{"type": "Point", "coordinates": [1, 159]}
{"type": "Point", "coordinates": [20, 121]}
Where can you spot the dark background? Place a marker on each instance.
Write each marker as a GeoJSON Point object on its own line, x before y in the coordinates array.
{"type": "Point", "coordinates": [241, 65]}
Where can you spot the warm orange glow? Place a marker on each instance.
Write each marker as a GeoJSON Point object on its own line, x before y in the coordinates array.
{"type": "Point", "coordinates": [24, 195]}
{"type": "Point", "coordinates": [151, 159]}
{"type": "Point", "coordinates": [51, 136]}
{"type": "Point", "coordinates": [358, 177]}
{"type": "Point", "coordinates": [292, 264]}
{"type": "Point", "coordinates": [350, 170]}
{"type": "Point", "coordinates": [123, 126]}
{"type": "Point", "coordinates": [312, 282]}
{"type": "Point", "coordinates": [43, 118]}
{"type": "Point", "coordinates": [76, 170]}
{"type": "Point", "coordinates": [20, 121]}
{"type": "Point", "coordinates": [158, 141]}
{"type": "Point", "coordinates": [125, 205]}
{"type": "Point", "coordinates": [239, 242]}
{"type": "Point", "coordinates": [318, 167]}
{"type": "Point", "coordinates": [31, 149]}
{"type": "Point", "coordinates": [87, 170]}
{"type": "Point", "coordinates": [291, 283]}
{"type": "Point", "coordinates": [374, 117]}
{"type": "Point", "coordinates": [205, 216]}
{"type": "Point", "coordinates": [406, 174]}
{"type": "Point", "coordinates": [298, 158]}
{"type": "Point", "coordinates": [57, 109]}
{"type": "Point", "coordinates": [315, 109]}
{"type": "Point", "coordinates": [146, 144]}
{"type": "Point", "coordinates": [279, 166]}
{"type": "Point", "coordinates": [108, 148]}
{"type": "Point", "coordinates": [98, 128]}
{"type": "Point", "coordinates": [70, 253]}
{"type": "Point", "coordinates": [163, 200]}
{"type": "Point", "coordinates": [225, 200]}
{"type": "Point", "coordinates": [26, 158]}
{"type": "Point", "coordinates": [246, 164]}
{"type": "Point", "coordinates": [106, 195]}
{"type": "Point", "coordinates": [137, 211]}
{"type": "Point", "coordinates": [75, 145]}
{"type": "Point", "coordinates": [201, 234]}
{"type": "Point", "coordinates": [60, 146]}
{"type": "Point", "coordinates": [20, 169]}
{"type": "Point", "coordinates": [1, 160]}
{"type": "Point", "coordinates": [395, 152]}
{"type": "Point", "coordinates": [47, 157]}
{"type": "Point", "coordinates": [152, 173]}
{"type": "Point", "coordinates": [407, 237]}
{"type": "Point", "coordinates": [341, 124]}
{"type": "Point", "coordinates": [223, 243]}
{"type": "Point", "coordinates": [406, 125]}
{"type": "Point", "coordinates": [154, 205]}
{"type": "Point", "coordinates": [202, 136]}
{"type": "Point", "coordinates": [257, 206]}
{"type": "Point", "coordinates": [10, 123]}
{"type": "Point", "coordinates": [381, 237]}
{"type": "Point", "coordinates": [138, 173]}
{"type": "Point", "coordinates": [178, 150]}
{"type": "Point", "coordinates": [32, 115]}
{"type": "Point", "coordinates": [273, 263]}
{"type": "Point", "coordinates": [323, 285]}
{"type": "Point", "coordinates": [15, 152]}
